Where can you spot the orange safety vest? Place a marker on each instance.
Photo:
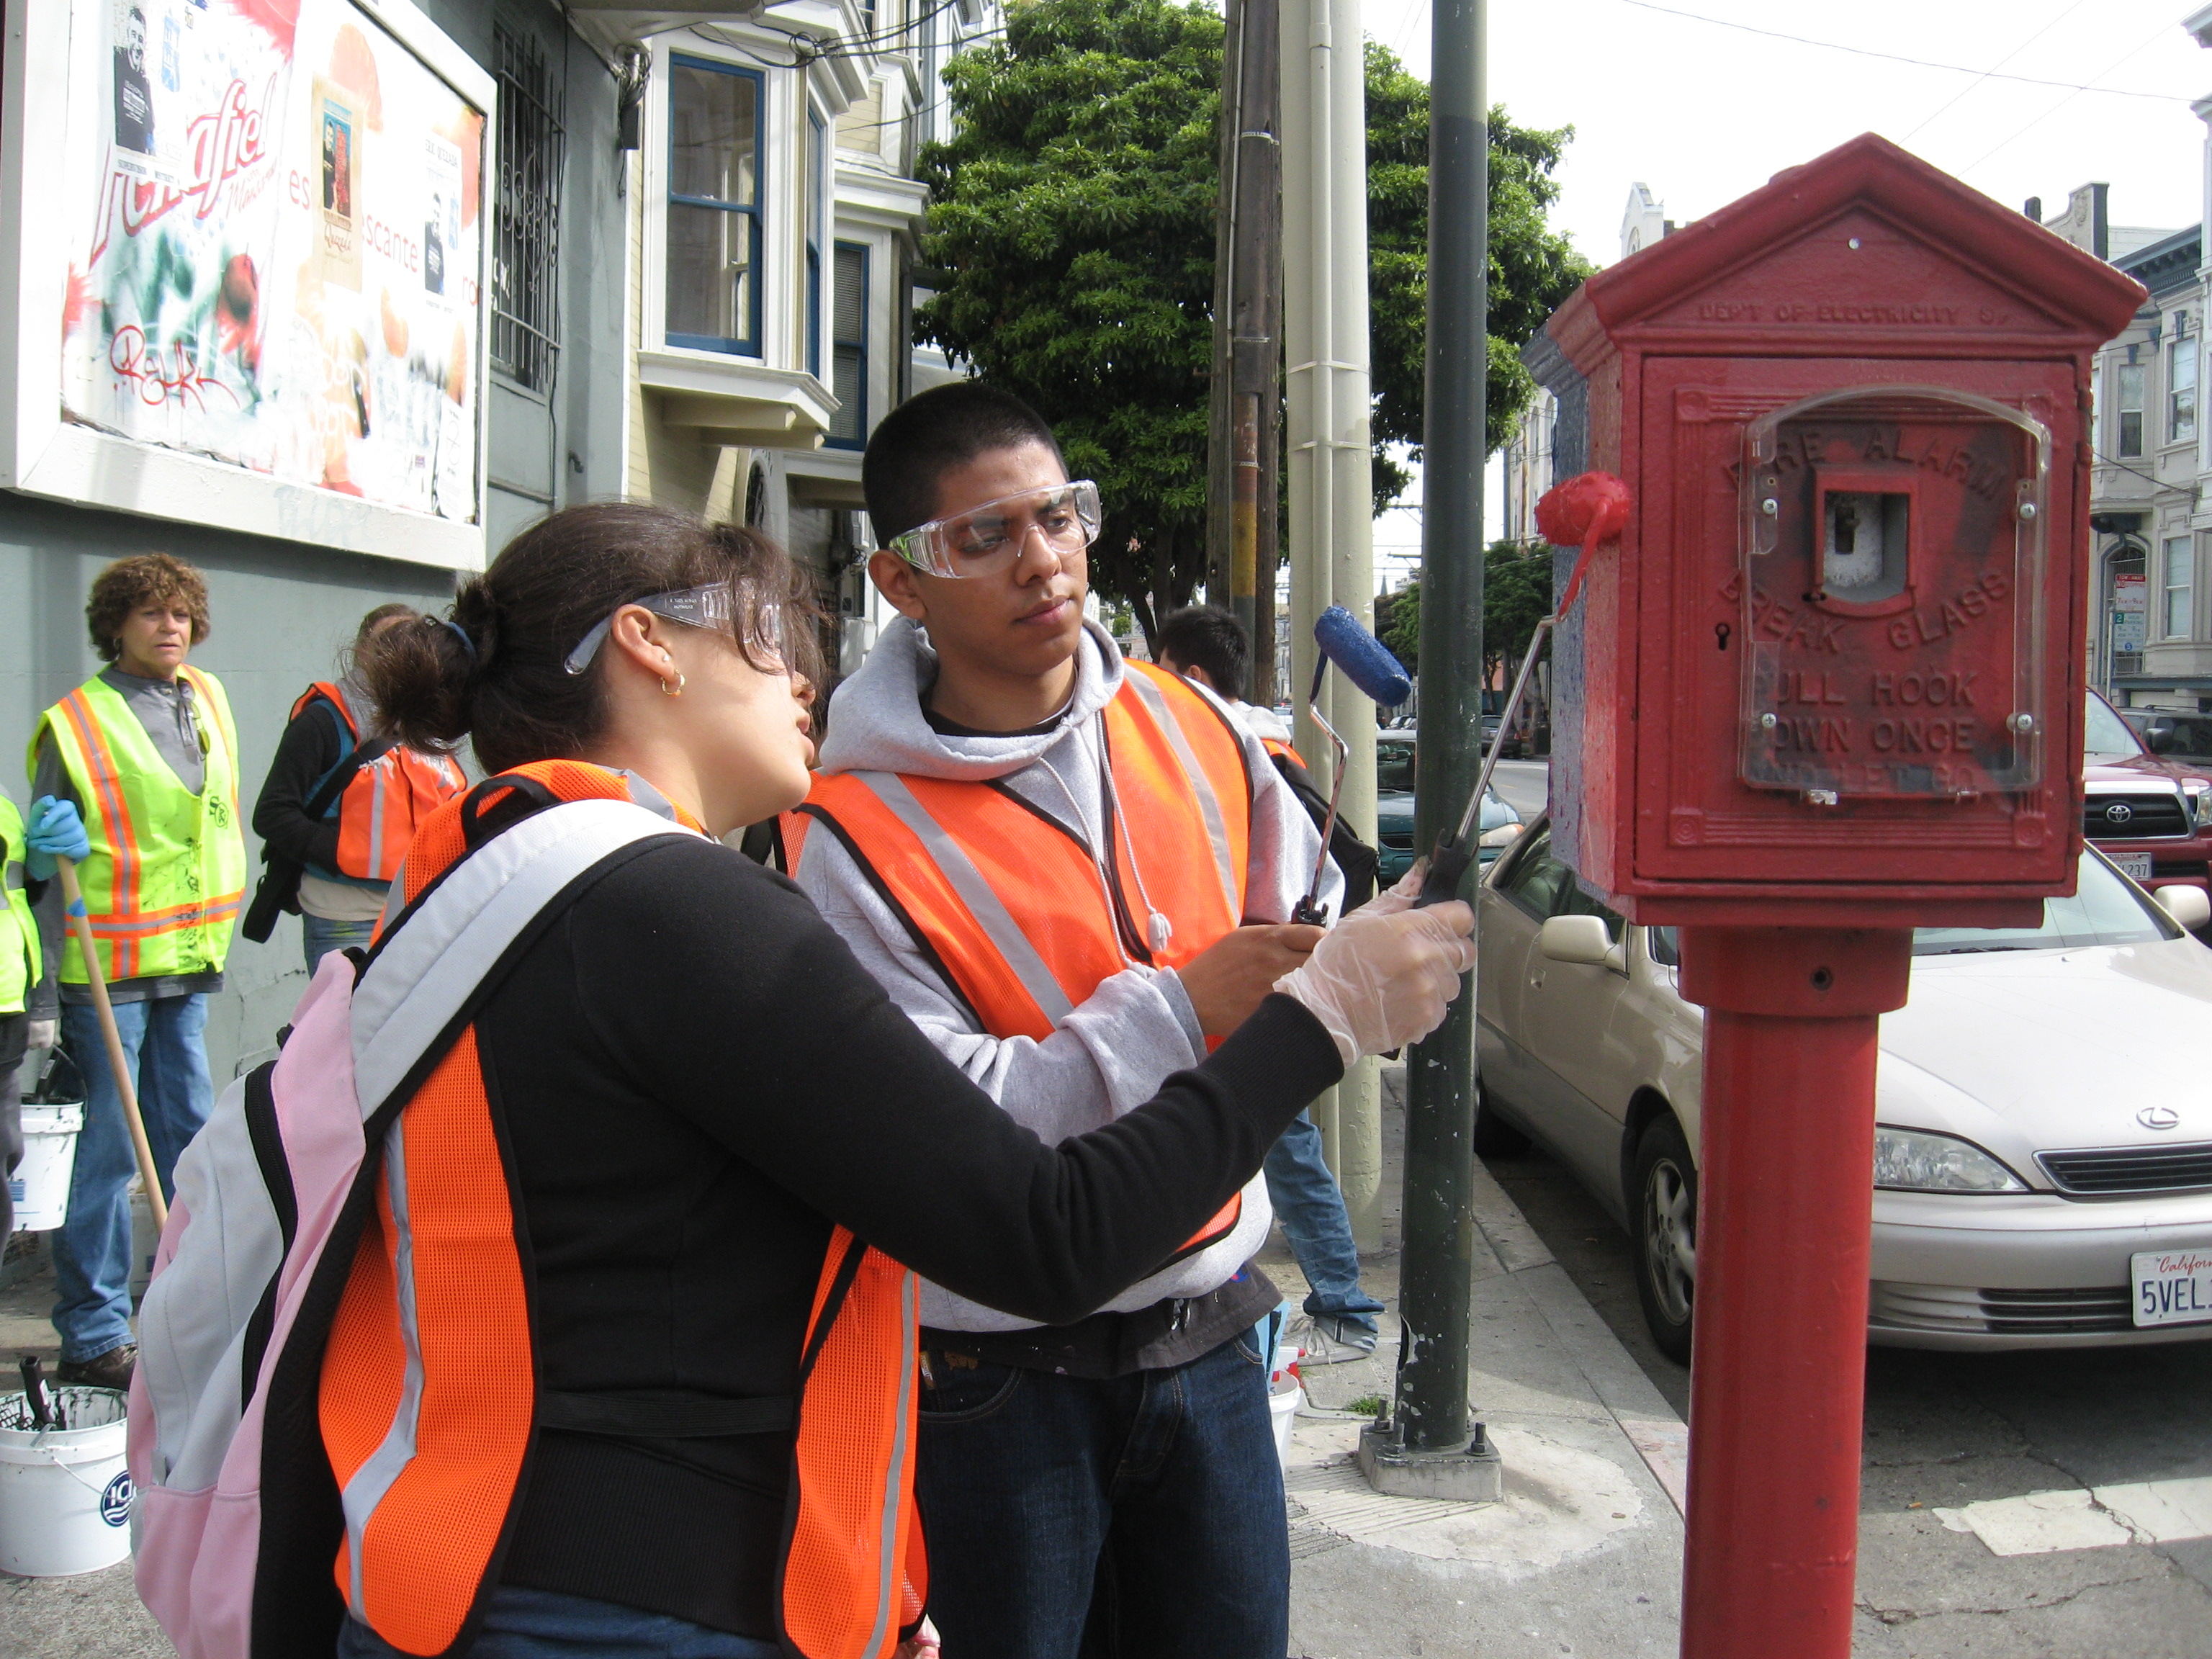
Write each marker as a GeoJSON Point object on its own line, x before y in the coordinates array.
{"type": "Point", "coordinates": [428, 1400]}
{"type": "Point", "coordinates": [388, 800]}
{"type": "Point", "coordinates": [1020, 919]}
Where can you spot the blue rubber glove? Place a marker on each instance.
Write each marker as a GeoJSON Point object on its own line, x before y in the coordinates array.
{"type": "Point", "coordinates": [54, 831]}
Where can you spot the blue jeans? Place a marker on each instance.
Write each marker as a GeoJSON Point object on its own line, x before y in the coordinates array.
{"type": "Point", "coordinates": [164, 1041]}
{"type": "Point", "coordinates": [1135, 1518]}
{"type": "Point", "coordinates": [1310, 1205]}
{"type": "Point", "coordinates": [535, 1624]}
{"type": "Point", "coordinates": [320, 936]}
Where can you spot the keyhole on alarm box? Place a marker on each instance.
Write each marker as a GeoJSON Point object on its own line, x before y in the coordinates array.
{"type": "Point", "coordinates": [1720, 637]}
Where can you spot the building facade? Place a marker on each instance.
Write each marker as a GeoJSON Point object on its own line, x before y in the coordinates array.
{"type": "Point", "coordinates": [773, 225]}
{"type": "Point", "coordinates": [326, 300]}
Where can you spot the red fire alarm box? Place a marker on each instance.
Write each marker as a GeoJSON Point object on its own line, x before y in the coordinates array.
{"type": "Point", "coordinates": [1834, 674]}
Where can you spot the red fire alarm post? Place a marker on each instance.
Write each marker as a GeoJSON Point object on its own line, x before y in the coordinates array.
{"type": "Point", "coordinates": [1830, 686]}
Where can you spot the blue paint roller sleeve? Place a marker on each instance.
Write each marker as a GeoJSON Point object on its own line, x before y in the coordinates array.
{"type": "Point", "coordinates": [1365, 660]}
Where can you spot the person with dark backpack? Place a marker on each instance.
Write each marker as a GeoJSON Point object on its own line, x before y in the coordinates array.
{"type": "Point", "coordinates": [1208, 647]}
{"type": "Point", "coordinates": [340, 806]}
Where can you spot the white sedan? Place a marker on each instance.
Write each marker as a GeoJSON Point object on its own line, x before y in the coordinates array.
{"type": "Point", "coordinates": [2042, 1163]}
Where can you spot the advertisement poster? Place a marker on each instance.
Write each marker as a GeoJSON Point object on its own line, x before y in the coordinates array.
{"type": "Point", "coordinates": [2130, 603]}
{"type": "Point", "coordinates": [277, 263]}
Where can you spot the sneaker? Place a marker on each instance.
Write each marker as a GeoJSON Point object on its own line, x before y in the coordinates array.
{"type": "Point", "coordinates": [111, 1369]}
{"type": "Point", "coordinates": [1328, 1341]}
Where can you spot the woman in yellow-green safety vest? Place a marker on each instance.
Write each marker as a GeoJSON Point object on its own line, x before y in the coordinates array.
{"type": "Point", "coordinates": [147, 753]}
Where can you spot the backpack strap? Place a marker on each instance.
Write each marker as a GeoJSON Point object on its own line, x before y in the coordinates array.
{"type": "Point", "coordinates": [436, 962]}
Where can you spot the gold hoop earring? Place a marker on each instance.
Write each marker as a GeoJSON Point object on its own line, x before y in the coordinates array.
{"type": "Point", "coordinates": [678, 691]}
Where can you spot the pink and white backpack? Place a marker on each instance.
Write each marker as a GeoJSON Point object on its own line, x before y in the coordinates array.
{"type": "Point", "coordinates": [237, 1517]}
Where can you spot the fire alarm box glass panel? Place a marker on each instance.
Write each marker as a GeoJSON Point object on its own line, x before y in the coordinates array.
{"type": "Point", "coordinates": [1892, 595]}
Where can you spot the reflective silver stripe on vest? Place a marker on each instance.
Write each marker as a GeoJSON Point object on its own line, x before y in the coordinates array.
{"type": "Point", "coordinates": [378, 782]}
{"type": "Point", "coordinates": [429, 967]}
{"type": "Point", "coordinates": [374, 1478]}
{"type": "Point", "coordinates": [967, 881]}
{"type": "Point", "coordinates": [1217, 828]}
{"type": "Point", "coordinates": [891, 1563]}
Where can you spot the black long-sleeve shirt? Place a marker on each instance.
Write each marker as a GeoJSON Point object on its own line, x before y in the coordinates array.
{"type": "Point", "coordinates": [306, 752]}
{"type": "Point", "coordinates": [696, 1078]}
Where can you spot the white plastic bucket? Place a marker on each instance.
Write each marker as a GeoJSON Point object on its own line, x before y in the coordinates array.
{"type": "Point", "coordinates": [64, 1494]}
{"type": "Point", "coordinates": [1285, 1396]}
{"type": "Point", "coordinates": [40, 1185]}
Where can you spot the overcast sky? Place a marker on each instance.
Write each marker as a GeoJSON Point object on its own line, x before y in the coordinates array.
{"type": "Point", "coordinates": [1703, 113]}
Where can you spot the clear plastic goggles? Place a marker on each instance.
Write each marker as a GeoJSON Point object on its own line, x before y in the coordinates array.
{"type": "Point", "coordinates": [985, 540]}
{"type": "Point", "coordinates": [709, 606]}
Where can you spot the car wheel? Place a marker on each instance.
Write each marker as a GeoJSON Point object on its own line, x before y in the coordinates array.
{"type": "Point", "coordinates": [1494, 1136]}
{"type": "Point", "coordinates": [1667, 1235]}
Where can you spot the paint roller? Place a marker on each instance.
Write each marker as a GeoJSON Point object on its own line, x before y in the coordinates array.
{"type": "Point", "coordinates": [1367, 663]}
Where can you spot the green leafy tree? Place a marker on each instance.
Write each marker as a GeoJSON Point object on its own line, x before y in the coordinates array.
{"type": "Point", "coordinates": [1074, 211]}
{"type": "Point", "coordinates": [1516, 595]}
{"type": "Point", "coordinates": [1532, 267]}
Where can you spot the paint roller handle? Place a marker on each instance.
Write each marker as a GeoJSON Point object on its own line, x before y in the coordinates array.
{"type": "Point", "coordinates": [119, 1064]}
{"type": "Point", "coordinates": [1448, 865]}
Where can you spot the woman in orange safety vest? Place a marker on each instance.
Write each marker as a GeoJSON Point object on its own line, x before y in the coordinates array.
{"type": "Point", "coordinates": [625, 1360]}
{"type": "Point", "coordinates": [343, 856]}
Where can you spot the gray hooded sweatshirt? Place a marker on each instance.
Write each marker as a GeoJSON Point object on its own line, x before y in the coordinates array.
{"type": "Point", "coordinates": [1111, 1054]}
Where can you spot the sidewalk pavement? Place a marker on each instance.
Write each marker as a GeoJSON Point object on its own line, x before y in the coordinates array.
{"type": "Point", "coordinates": [1585, 1554]}
{"type": "Point", "coordinates": [1584, 1557]}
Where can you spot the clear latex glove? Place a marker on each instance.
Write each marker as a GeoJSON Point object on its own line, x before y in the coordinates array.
{"type": "Point", "coordinates": [41, 1034]}
{"type": "Point", "coordinates": [52, 830]}
{"type": "Point", "coordinates": [1391, 900]}
{"type": "Point", "coordinates": [1377, 981]}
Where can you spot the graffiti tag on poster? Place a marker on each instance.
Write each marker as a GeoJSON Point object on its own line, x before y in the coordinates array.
{"type": "Point", "coordinates": [277, 266]}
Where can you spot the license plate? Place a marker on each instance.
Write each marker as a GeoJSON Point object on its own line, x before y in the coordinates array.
{"type": "Point", "coordinates": [2173, 1287]}
{"type": "Point", "coordinates": [2136, 866]}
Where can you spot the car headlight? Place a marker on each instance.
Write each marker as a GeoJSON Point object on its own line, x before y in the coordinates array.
{"type": "Point", "coordinates": [1917, 1161]}
{"type": "Point", "coordinates": [2200, 806]}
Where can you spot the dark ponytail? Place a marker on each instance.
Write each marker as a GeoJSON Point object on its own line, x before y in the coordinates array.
{"type": "Point", "coordinates": [496, 670]}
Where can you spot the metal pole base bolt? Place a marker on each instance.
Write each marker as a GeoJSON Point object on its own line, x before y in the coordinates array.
{"type": "Point", "coordinates": [1472, 1474]}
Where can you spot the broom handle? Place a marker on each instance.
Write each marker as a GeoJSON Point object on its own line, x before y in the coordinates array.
{"type": "Point", "coordinates": [117, 1061]}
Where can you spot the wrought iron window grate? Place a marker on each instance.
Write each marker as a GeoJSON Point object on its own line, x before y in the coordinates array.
{"type": "Point", "coordinates": [525, 317]}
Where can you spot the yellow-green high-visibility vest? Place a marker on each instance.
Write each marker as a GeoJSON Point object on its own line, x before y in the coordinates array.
{"type": "Point", "coordinates": [19, 933]}
{"type": "Point", "coordinates": [166, 874]}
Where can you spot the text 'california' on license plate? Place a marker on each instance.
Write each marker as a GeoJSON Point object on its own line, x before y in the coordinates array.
{"type": "Point", "coordinates": [2173, 1287]}
{"type": "Point", "coordinates": [2136, 866]}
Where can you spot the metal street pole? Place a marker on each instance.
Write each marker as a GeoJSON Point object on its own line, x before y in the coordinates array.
{"type": "Point", "coordinates": [1430, 1447]}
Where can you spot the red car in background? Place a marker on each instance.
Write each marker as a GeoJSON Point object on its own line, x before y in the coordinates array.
{"type": "Point", "coordinates": [2150, 815]}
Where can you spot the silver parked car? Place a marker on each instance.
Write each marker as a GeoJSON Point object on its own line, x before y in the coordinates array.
{"type": "Point", "coordinates": [2043, 1164]}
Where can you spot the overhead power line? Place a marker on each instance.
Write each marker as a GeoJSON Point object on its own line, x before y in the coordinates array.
{"type": "Point", "coordinates": [1999, 64]}
{"type": "Point", "coordinates": [1917, 63]}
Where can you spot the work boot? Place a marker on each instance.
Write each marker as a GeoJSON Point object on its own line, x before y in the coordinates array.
{"type": "Point", "coordinates": [1328, 1341]}
{"type": "Point", "coordinates": [111, 1369]}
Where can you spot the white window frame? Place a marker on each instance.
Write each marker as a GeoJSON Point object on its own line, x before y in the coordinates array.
{"type": "Point", "coordinates": [43, 455]}
{"type": "Point", "coordinates": [781, 274]}
{"type": "Point", "coordinates": [2121, 410]}
{"type": "Point", "coordinates": [2169, 589]}
{"type": "Point", "coordinates": [2184, 348]}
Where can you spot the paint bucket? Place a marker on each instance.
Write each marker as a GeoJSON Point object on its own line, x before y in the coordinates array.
{"type": "Point", "coordinates": [40, 1185]}
{"type": "Point", "coordinates": [53, 1117]}
{"type": "Point", "coordinates": [64, 1494]}
{"type": "Point", "coordinates": [1285, 1394]}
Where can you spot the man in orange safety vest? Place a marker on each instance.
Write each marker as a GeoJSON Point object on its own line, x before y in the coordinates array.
{"type": "Point", "coordinates": [1074, 872]}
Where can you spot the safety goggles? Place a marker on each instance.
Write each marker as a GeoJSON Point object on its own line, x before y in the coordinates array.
{"type": "Point", "coordinates": [985, 540]}
{"type": "Point", "coordinates": [709, 606]}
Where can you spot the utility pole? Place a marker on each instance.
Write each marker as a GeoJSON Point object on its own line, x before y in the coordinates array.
{"type": "Point", "coordinates": [1328, 411]}
{"type": "Point", "coordinates": [1428, 1448]}
{"type": "Point", "coordinates": [1244, 465]}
